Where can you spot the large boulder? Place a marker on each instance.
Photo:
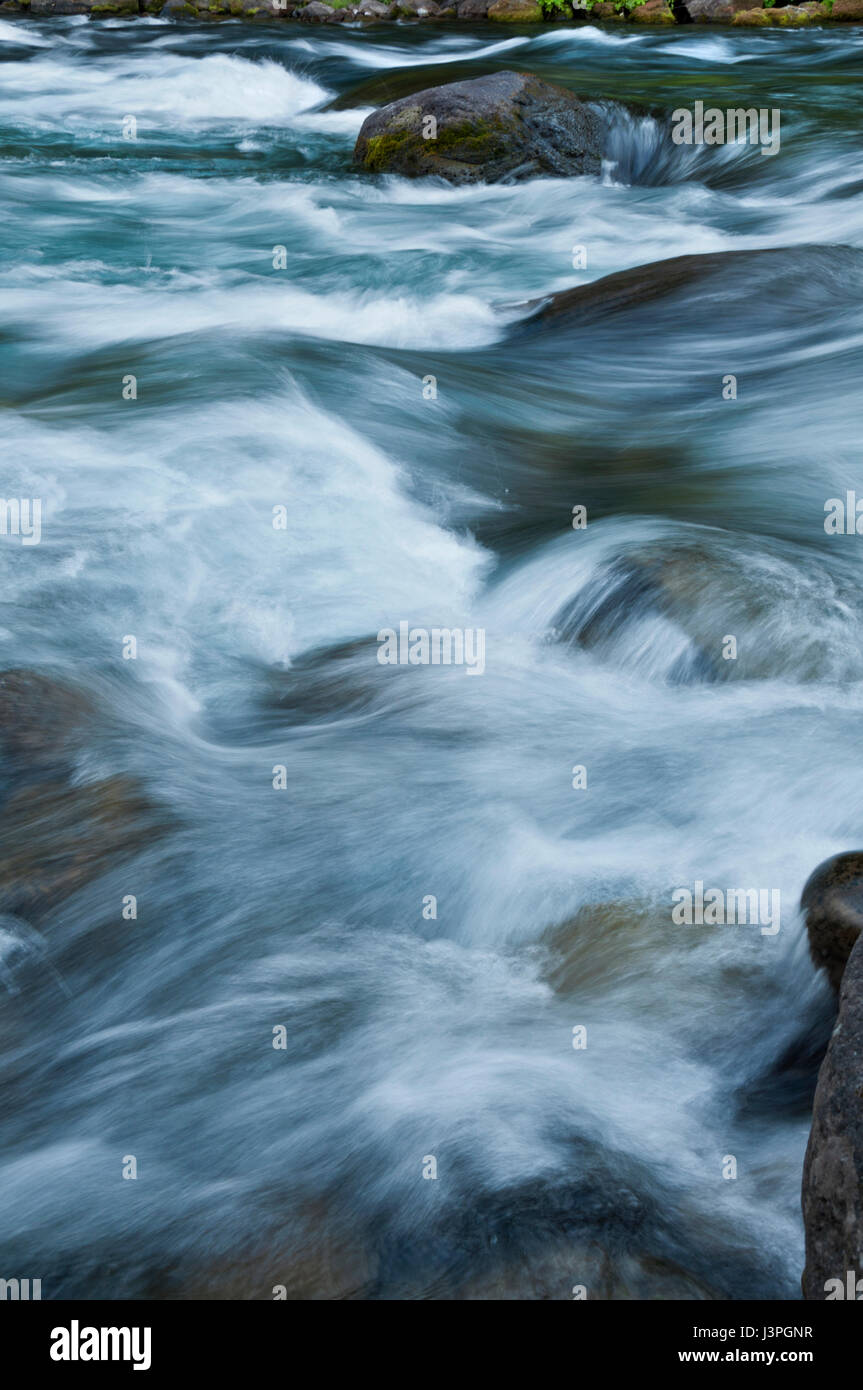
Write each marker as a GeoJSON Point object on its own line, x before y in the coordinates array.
{"type": "Point", "coordinates": [715, 11]}
{"type": "Point", "coordinates": [833, 1169]}
{"type": "Point", "coordinates": [506, 125]}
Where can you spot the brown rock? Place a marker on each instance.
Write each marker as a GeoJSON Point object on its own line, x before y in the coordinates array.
{"type": "Point", "coordinates": [754, 19]}
{"type": "Point", "coordinates": [515, 12]}
{"type": "Point", "coordinates": [653, 12]}
{"type": "Point", "coordinates": [42, 722]}
{"type": "Point", "coordinates": [472, 9]}
{"type": "Point", "coordinates": [56, 838]}
{"type": "Point", "coordinates": [57, 835]}
{"type": "Point", "coordinates": [847, 10]}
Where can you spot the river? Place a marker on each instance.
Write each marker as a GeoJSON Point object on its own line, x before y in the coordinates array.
{"type": "Point", "coordinates": [424, 901]}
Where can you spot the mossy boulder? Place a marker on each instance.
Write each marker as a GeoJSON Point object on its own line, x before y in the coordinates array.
{"type": "Point", "coordinates": [507, 125]}
{"type": "Point", "coordinates": [754, 19]}
{"type": "Point", "coordinates": [793, 17]}
{"type": "Point", "coordinates": [653, 12]}
{"type": "Point", "coordinates": [847, 10]}
{"type": "Point", "coordinates": [515, 12]}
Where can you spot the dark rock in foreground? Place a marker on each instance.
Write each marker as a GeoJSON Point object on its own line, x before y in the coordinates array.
{"type": "Point", "coordinates": [624, 289]}
{"type": "Point", "coordinates": [504, 126]}
{"type": "Point", "coordinates": [833, 903]}
{"type": "Point", "coordinates": [833, 1169]}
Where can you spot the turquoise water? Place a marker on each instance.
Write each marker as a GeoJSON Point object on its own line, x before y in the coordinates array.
{"type": "Point", "coordinates": [259, 387]}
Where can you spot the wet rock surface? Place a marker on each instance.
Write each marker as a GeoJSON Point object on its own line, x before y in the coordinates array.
{"type": "Point", "coordinates": [833, 903]}
{"type": "Point", "coordinates": [507, 125]}
{"type": "Point", "coordinates": [833, 1170]}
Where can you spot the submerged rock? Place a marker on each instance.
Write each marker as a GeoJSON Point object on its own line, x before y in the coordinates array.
{"type": "Point", "coordinates": [506, 125]}
{"type": "Point", "coordinates": [43, 723]}
{"type": "Point", "coordinates": [624, 289]}
{"type": "Point", "coordinates": [833, 903]}
{"type": "Point", "coordinates": [716, 282]}
{"type": "Point", "coordinates": [57, 838]}
{"type": "Point", "coordinates": [56, 833]}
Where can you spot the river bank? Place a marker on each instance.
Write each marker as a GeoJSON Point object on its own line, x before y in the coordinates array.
{"type": "Point", "coordinates": [520, 13]}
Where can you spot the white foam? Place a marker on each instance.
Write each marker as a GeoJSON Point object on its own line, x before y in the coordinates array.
{"type": "Point", "coordinates": [177, 91]}
{"type": "Point", "coordinates": [20, 33]}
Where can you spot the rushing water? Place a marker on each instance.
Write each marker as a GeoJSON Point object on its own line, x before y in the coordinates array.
{"type": "Point", "coordinates": [410, 1036]}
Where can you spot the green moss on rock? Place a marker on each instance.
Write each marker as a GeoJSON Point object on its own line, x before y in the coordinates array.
{"type": "Point", "coordinates": [515, 12]}
{"type": "Point", "coordinates": [754, 19]}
